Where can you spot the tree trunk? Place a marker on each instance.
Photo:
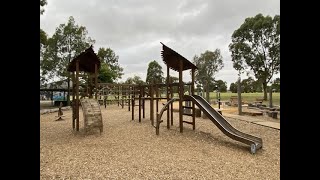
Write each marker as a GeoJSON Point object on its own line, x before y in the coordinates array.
{"type": "Point", "coordinates": [265, 93]}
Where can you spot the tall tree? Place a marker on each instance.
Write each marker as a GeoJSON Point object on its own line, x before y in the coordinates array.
{"type": "Point", "coordinates": [276, 85]}
{"type": "Point", "coordinates": [68, 41]}
{"type": "Point", "coordinates": [256, 46]}
{"type": "Point", "coordinates": [221, 85]}
{"type": "Point", "coordinates": [43, 34]}
{"type": "Point", "coordinates": [233, 87]}
{"type": "Point", "coordinates": [154, 73]}
{"type": "Point", "coordinates": [43, 37]}
{"type": "Point", "coordinates": [208, 63]}
{"type": "Point", "coordinates": [247, 85]}
{"type": "Point", "coordinates": [105, 74]}
{"type": "Point", "coordinates": [173, 79]}
{"type": "Point", "coordinates": [108, 56]}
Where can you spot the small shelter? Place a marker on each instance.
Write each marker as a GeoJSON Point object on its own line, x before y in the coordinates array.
{"type": "Point", "coordinates": [87, 62]}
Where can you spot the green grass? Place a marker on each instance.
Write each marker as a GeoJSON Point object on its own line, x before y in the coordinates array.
{"type": "Point", "coordinates": [246, 97]}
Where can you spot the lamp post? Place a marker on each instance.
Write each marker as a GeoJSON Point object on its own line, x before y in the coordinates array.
{"type": "Point", "coordinates": [218, 96]}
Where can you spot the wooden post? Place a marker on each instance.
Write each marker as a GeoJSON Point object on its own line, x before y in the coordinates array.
{"type": "Point", "coordinates": [270, 97]}
{"type": "Point", "coordinates": [168, 98]}
{"type": "Point", "coordinates": [133, 101]}
{"type": "Point", "coordinates": [180, 97]}
{"type": "Point", "coordinates": [96, 80]}
{"type": "Point", "coordinates": [122, 96]}
{"type": "Point", "coordinates": [193, 105]}
{"type": "Point", "coordinates": [139, 87]}
{"type": "Point", "coordinates": [52, 98]}
{"type": "Point", "coordinates": [73, 101]}
{"type": "Point", "coordinates": [118, 98]}
{"type": "Point", "coordinates": [151, 103]}
{"type": "Point", "coordinates": [171, 105]}
{"type": "Point", "coordinates": [143, 102]}
{"type": "Point", "coordinates": [77, 96]}
{"type": "Point", "coordinates": [157, 100]}
{"type": "Point", "coordinates": [239, 97]}
{"type": "Point", "coordinates": [129, 97]}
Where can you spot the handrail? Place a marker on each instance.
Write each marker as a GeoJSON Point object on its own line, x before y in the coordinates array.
{"type": "Point", "coordinates": [159, 115]}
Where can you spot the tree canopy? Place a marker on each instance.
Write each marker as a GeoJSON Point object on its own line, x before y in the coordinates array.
{"type": "Point", "coordinates": [42, 4]}
{"type": "Point", "coordinates": [276, 85]}
{"type": "Point", "coordinates": [68, 41]}
{"type": "Point", "coordinates": [208, 63]}
{"type": "Point", "coordinates": [134, 80]}
{"type": "Point", "coordinates": [114, 71]}
{"type": "Point", "coordinates": [256, 47]}
{"type": "Point", "coordinates": [154, 73]}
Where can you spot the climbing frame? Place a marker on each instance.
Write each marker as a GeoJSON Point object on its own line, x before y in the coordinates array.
{"type": "Point", "coordinates": [91, 114]}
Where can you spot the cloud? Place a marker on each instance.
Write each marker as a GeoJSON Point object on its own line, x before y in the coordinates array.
{"type": "Point", "coordinates": [134, 29]}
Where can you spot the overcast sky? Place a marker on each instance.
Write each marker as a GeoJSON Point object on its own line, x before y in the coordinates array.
{"type": "Point", "coordinates": [135, 28]}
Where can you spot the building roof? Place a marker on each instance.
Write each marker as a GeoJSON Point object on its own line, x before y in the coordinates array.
{"type": "Point", "coordinates": [172, 59]}
{"type": "Point", "coordinates": [87, 61]}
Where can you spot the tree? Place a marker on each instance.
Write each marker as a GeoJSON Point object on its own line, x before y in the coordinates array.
{"type": "Point", "coordinates": [109, 57]}
{"type": "Point", "coordinates": [135, 80]}
{"type": "Point", "coordinates": [42, 4]}
{"type": "Point", "coordinates": [43, 37]}
{"type": "Point", "coordinates": [257, 86]}
{"type": "Point", "coordinates": [247, 85]}
{"type": "Point", "coordinates": [154, 73]}
{"type": "Point", "coordinates": [233, 87]}
{"type": "Point", "coordinates": [256, 46]}
{"type": "Point", "coordinates": [68, 41]}
{"type": "Point", "coordinates": [276, 85]}
{"type": "Point", "coordinates": [173, 79]}
{"type": "Point", "coordinates": [105, 74]}
{"type": "Point", "coordinates": [208, 63]}
{"type": "Point", "coordinates": [222, 86]}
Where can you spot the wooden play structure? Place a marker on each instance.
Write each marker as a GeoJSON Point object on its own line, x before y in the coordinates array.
{"type": "Point", "coordinates": [88, 64]}
{"type": "Point", "coordinates": [136, 95]}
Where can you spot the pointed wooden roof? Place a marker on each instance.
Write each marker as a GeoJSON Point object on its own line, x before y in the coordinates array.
{"type": "Point", "coordinates": [87, 61]}
{"type": "Point", "coordinates": [172, 59]}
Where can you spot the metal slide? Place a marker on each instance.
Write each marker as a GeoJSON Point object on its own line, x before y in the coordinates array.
{"type": "Point", "coordinates": [254, 142]}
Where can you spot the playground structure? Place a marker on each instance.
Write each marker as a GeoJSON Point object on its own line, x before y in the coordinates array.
{"type": "Point", "coordinates": [89, 62]}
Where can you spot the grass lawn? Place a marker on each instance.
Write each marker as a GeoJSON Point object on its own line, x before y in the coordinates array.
{"type": "Point", "coordinates": [246, 97]}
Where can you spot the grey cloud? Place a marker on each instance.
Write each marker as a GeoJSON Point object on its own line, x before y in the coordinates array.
{"type": "Point", "coordinates": [134, 29]}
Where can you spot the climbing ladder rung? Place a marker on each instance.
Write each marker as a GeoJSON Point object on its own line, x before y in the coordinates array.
{"type": "Point", "coordinates": [187, 107]}
{"type": "Point", "coordinates": [187, 122]}
{"type": "Point", "coordinates": [187, 114]}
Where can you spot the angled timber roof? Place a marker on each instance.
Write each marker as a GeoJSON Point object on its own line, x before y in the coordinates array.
{"type": "Point", "coordinates": [87, 61]}
{"type": "Point", "coordinates": [172, 59]}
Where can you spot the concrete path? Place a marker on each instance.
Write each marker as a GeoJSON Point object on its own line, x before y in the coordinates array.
{"type": "Point", "coordinates": [275, 125]}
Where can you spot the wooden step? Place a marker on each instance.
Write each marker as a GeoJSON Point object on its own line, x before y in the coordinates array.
{"type": "Point", "coordinates": [187, 122]}
{"type": "Point", "coordinates": [187, 107]}
{"type": "Point", "coordinates": [187, 114]}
